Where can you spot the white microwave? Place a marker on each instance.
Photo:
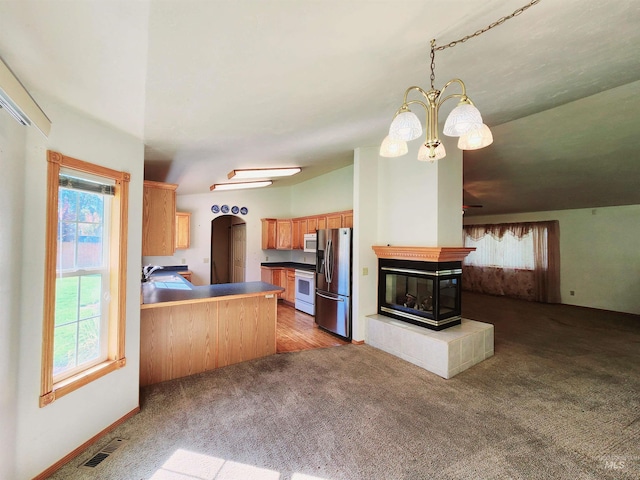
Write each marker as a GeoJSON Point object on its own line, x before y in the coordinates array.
{"type": "Point", "coordinates": [310, 242]}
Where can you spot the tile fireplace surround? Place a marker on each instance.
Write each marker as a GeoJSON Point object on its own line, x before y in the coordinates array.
{"type": "Point", "coordinates": [446, 352]}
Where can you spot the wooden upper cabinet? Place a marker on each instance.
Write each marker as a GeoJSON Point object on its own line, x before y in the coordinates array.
{"type": "Point", "coordinates": [312, 225]}
{"type": "Point", "coordinates": [183, 230]}
{"type": "Point", "coordinates": [334, 220]}
{"type": "Point", "coordinates": [284, 234]}
{"type": "Point", "coordinates": [269, 233]}
{"type": "Point", "coordinates": [322, 223]}
{"type": "Point", "coordinates": [347, 219]}
{"type": "Point", "coordinates": [158, 218]}
{"type": "Point", "coordinates": [297, 234]}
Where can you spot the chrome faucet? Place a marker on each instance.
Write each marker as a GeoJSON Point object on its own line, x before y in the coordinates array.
{"type": "Point", "coordinates": [148, 270]}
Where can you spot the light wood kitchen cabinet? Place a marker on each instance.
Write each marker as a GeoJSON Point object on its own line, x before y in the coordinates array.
{"type": "Point", "coordinates": [312, 225]}
{"type": "Point", "coordinates": [322, 222]}
{"type": "Point", "coordinates": [347, 219]}
{"type": "Point", "coordinates": [183, 230]}
{"type": "Point", "coordinates": [297, 233]}
{"type": "Point", "coordinates": [269, 233]}
{"type": "Point", "coordinates": [334, 220]}
{"type": "Point", "coordinates": [283, 278]}
{"type": "Point", "coordinates": [187, 274]}
{"type": "Point", "coordinates": [284, 234]}
{"type": "Point", "coordinates": [290, 290]}
{"type": "Point", "coordinates": [158, 218]}
{"type": "Point", "coordinates": [274, 276]}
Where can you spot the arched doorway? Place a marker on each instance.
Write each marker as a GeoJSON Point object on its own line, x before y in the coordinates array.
{"type": "Point", "coordinates": [228, 249]}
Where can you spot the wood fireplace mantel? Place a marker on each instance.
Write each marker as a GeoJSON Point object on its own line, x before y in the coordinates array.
{"type": "Point", "coordinates": [424, 254]}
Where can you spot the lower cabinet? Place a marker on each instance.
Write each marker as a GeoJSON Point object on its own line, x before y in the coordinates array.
{"type": "Point", "coordinates": [290, 290]}
{"type": "Point", "coordinates": [283, 278]}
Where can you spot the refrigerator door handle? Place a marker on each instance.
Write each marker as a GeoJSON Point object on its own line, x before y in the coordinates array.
{"type": "Point", "coordinates": [329, 298]}
{"type": "Point", "coordinates": [328, 275]}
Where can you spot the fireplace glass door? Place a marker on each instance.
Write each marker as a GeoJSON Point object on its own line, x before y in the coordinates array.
{"type": "Point", "coordinates": [422, 296]}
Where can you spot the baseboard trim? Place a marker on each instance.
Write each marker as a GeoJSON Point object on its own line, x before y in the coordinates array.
{"type": "Point", "coordinates": [357, 342]}
{"type": "Point", "coordinates": [67, 458]}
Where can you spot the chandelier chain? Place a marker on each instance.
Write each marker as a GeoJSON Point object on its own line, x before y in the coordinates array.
{"type": "Point", "coordinates": [483, 30]}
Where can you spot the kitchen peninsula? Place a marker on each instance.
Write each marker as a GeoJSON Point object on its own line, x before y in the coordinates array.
{"type": "Point", "coordinates": [187, 329]}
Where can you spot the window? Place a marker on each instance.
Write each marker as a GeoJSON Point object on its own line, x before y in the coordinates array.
{"type": "Point", "coordinates": [84, 313]}
{"type": "Point", "coordinates": [520, 260]}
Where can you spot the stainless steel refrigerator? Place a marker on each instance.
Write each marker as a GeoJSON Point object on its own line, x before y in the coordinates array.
{"type": "Point", "coordinates": [333, 281]}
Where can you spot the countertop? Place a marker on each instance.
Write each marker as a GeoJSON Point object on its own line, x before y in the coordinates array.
{"type": "Point", "coordinates": [169, 288]}
{"type": "Point", "coordinates": [299, 266]}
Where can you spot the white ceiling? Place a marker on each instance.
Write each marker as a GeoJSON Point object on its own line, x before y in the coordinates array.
{"type": "Point", "coordinates": [215, 85]}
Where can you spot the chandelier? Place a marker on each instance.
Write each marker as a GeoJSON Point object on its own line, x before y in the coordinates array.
{"type": "Point", "coordinates": [464, 121]}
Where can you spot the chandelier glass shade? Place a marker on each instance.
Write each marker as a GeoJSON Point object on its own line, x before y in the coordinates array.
{"type": "Point", "coordinates": [462, 119]}
{"type": "Point", "coordinates": [393, 148]}
{"type": "Point", "coordinates": [405, 126]}
{"type": "Point", "coordinates": [426, 155]}
{"type": "Point", "coordinates": [476, 138]}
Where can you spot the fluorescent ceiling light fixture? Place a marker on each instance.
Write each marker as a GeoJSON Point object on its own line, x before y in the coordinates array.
{"type": "Point", "coordinates": [239, 185]}
{"type": "Point", "coordinates": [16, 101]}
{"type": "Point", "coordinates": [263, 172]}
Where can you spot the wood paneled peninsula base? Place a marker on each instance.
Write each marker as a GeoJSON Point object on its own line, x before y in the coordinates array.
{"type": "Point", "coordinates": [186, 329]}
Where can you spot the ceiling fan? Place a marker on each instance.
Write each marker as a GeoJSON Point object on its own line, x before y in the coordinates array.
{"type": "Point", "coordinates": [469, 201]}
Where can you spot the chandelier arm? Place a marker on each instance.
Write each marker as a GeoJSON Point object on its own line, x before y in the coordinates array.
{"type": "Point", "coordinates": [462, 95]}
{"type": "Point", "coordinates": [408, 91]}
{"type": "Point", "coordinates": [417, 102]}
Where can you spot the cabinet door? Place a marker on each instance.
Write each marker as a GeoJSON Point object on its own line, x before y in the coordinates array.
{"type": "Point", "coordinates": [279, 278]}
{"type": "Point", "coordinates": [322, 223]}
{"type": "Point", "coordinates": [158, 218]}
{"type": "Point", "coordinates": [266, 275]}
{"type": "Point", "coordinates": [290, 292]}
{"type": "Point", "coordinates": [334, 220]}
{"type": "Point", "coordinates": [269, 233]}
{"type": "Point", "coordinates": [283, 235]}
{"type": "Point", "coordinates": [296, 234]}
{"type": "Point", "coordinates": [312, 224]}
{"type": "Point", "coordinates": [347, 220]}
{"type": "Point", "coordinates": [183, 227]}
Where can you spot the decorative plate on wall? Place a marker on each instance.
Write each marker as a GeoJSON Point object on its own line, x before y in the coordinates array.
{"type": "Point", "coordinates": [235, 210]}
{"type": "Point", "coordinates": [244, 210]}
{"type": "Point", "coordinates": [224, 209]}
{"type": "Point", "coordinates": [215, 208]}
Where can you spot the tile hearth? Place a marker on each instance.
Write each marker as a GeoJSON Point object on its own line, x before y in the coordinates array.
{"type": "Point", "coordinates": [445, 353]}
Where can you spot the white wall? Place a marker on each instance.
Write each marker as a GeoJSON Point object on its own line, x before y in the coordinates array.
{"type": "Point", "coordinates": [365, 222]}
{"type": "Point", "coordinates": [45, 435]}
{"type": "Point", "coordinates": [599, 256]}
{"type": "Point", "coordinates": [420, 203]}
{"type": "Point", "coordinates": [12, 153]}
{"type": "Point", "coordinates": [332, 192]}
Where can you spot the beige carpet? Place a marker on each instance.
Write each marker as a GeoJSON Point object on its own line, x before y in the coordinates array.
{"type": "Point", "coordinates": [559, 400]}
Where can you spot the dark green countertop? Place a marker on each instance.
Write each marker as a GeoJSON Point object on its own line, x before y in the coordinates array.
{"type": "Point", "coordinates": [169, 288]}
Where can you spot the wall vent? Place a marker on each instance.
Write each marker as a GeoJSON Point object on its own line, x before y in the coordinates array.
{"type": "Point", "coordinates": [103, 454]}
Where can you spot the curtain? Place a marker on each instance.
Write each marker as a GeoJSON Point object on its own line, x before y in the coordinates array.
{"type": "Point", "coordinates": [520, 260]}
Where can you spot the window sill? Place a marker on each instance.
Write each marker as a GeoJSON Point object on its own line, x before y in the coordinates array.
{"type": "Point", "coordinates": [68, 385]}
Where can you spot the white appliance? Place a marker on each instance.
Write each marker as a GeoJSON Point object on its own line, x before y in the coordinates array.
{"type": "Point", "coordinates": [310, 242]}
{"type": "Point", "coordinates": [305, 291]}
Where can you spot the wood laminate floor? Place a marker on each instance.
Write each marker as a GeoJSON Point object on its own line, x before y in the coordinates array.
{"type": "Point", "coordinates": [297, 331]}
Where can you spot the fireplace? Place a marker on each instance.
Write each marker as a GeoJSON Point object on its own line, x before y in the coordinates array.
{"type": "Point", "coordinates": [421, 285]}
